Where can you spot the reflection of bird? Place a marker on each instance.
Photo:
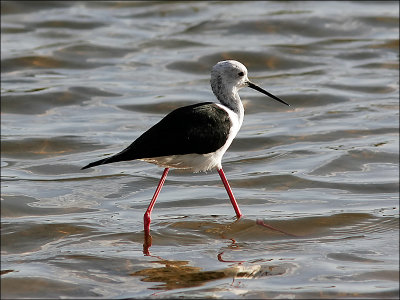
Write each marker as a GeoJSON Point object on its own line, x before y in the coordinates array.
{"type": "Point", "coordinates": [195, 137]}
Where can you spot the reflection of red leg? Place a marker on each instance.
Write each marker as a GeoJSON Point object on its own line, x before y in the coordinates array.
{"type": "Point", "coordinates": [230, 194]}
{"type": "Point", "coordinates": [261, 223]}
{"type": "Point", "coordinates": [147, 214]}
{"type": "Point", "coordinates": [219, 256]}
{"type": "Point", "coordinates": [147, 243]}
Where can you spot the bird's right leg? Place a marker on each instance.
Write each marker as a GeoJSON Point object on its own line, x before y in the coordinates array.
{"type": "Point", "coordinates": [147, 215]}
{"type": "Point", "coordinates": [230, 193]}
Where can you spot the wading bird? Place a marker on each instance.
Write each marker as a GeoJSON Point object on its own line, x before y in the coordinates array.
{"type": "Point", "coordinates": [195, 137]}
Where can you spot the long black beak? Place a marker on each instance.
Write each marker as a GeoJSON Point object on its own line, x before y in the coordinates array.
{"type": "Point", "coordinates": [257, 88]}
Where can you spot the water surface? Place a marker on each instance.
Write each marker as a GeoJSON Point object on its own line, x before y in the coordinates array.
{"type": "Point", "coordinates": [82, 80]}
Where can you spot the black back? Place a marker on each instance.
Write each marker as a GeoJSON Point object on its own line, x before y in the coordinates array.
{"type": "Point", "coordinates": [199, 128]}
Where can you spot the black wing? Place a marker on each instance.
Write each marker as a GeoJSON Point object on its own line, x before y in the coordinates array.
{"type": "Point", "coordinates": [200, 128]}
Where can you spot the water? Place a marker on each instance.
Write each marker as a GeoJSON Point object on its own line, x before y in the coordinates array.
{"type": "Point", "coordinates": [82, 80]}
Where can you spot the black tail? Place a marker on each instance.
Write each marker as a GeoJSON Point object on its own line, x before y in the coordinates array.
{"type": "Point", "coordinates": [96, 163]}
{"type": "Point", "coordinates": [108, 160]}
{"type": "Point", "coordinates": [125, 154]}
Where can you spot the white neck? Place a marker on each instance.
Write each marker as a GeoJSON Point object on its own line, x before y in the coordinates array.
{"type": "Point", "coordinates": [229, 97]}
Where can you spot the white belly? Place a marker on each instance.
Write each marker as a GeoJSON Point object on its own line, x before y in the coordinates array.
{"type": "Point", "coordinates": [192, 162]}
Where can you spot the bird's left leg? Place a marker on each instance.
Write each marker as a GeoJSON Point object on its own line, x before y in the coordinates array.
{"type": "Point", "coordinates": [147, 214]}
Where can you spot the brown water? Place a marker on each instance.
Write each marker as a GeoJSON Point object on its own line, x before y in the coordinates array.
{"type": "Point", "coordinates": [82, 80]}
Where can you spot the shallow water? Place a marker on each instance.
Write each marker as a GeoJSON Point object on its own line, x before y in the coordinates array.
{"type": "Point", "coordinates": [82, 80]}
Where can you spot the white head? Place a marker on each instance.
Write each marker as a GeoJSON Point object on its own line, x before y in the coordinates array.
{"type": "Point", "coordinates": [227, 77]}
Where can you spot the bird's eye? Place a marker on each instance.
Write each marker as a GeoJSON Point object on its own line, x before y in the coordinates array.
{"type": "Point", "coordinates": [241, 74]}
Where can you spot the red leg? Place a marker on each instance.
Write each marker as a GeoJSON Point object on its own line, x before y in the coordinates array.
{"type": "Point", "coordinates": [230, 194]}
{"type": "Point", "coordinates": [147, 214]}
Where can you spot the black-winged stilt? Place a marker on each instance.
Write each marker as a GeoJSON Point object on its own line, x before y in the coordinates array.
{"type": "Point", "coordinates": [195, 137]}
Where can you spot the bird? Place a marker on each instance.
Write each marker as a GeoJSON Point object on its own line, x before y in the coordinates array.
{"type": "Point", "coordinates": [195, 137]}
